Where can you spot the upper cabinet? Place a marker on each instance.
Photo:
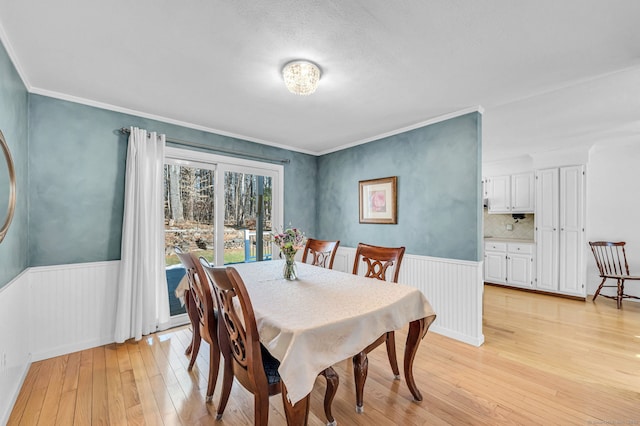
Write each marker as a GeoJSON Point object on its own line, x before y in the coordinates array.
{"type": "Point", "coordinates": [511, 193]}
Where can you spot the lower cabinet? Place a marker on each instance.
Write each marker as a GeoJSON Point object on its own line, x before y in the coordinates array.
{"type": "Point", "coordinates": [509, 263]}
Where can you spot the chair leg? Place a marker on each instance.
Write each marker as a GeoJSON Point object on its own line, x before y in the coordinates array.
{"type": "Point", "coordinates": [227, 371]}
{"type": "Point", "coordinates": [391, 353]}
{"type": "Point", "coordinates": [620, 292]}
{"type": "Point", "coordinates": [332, 387]}
{"type": "Point", "coordinates": [196, 339]}
{"type": "Point", "coordinates": [360, 370]}
{"type": "Point", "coordinates": [598, 290]}
{"type": "Point", "coordinates": [214, 366]}
{"type": "Point", "coordinates": [261, 409]}
{"type": "Point", "coordinates": [187, 302]}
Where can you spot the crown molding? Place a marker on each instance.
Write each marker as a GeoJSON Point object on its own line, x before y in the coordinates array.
{"type": "Point", "coordinates": [115, 108]}
{"type": "Point", "coordinates": [433, 120]}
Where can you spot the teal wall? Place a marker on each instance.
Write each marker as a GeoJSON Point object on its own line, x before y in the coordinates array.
{"type": "Point", "coordinates": [439, 190]}
{"type": "Point", "coordinates": [77, 166]}
{"type": "Point", "coordinates": [14, 124]}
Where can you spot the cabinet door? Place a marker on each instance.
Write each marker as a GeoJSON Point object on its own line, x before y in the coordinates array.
{"type": "Point", "coordinates": [500, 194]}
{"type": "Point", "coordinates": [571, 230]}
{"type": "Point", "coordinates": [519, 270]}
{"type": "Point", "coordinates": [495, 267]}
{"type": "Point", "coordinates": [522, 193]}
{"type": "Point", "coordinates": [547, 229]}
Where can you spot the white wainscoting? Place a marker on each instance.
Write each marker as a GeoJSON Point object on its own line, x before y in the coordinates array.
{"type": "Point", "coordinates": [15, 357]}
{"type": "Point", "coordinates": [453, 287]}
{"type": "Point", "coordinates": [72, 307]}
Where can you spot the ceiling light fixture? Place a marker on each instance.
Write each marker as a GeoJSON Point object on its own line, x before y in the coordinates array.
{"type": "Point", "coordinates": [301, 77]}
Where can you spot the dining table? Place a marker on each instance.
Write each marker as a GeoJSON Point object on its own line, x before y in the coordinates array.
{"type": "Point", "coordinates": [326, 316]}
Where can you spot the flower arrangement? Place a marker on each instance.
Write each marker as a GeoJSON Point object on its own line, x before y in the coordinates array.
{"type": "Point", "coordinates": [290, 241]}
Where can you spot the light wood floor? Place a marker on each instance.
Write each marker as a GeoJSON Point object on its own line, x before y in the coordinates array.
{"type": "Point", "coordinates": [546, 361]}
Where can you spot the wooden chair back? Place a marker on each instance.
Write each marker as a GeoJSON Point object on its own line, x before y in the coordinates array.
{"type": "Point", "coordinates": [201, 293]}
{"type": "Point", "coordinates": [611, 258]}
{"type": "Point", "coordinates": [323, 252]}
{"type": "Point", "coordinates": [239, 338]}
{"type": "Point", "coordinates": [378, 260]}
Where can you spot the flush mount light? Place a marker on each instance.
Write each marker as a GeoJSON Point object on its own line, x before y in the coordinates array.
{"type": "Point", "coordinates": [301, 77]}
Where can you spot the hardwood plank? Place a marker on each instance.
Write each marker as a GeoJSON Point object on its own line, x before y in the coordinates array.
{"type": "Point", "coordinates": [67, 408]}
{"type": "Point", "coordinates": [150, 409]}
{"type": "Point", "coordinates": [115, 393]}
{"type": "Point", "coordinates": [72, 371]}
{"type": "Point", "coordinates": [84, 397]}
{"type": "Point", "coordinates": [34, 404]}
{"type": "Point", "coordinates": [99, 401]}
{"type": "Point", "coordinates": [51, 401]}
{"type": "Point", "coordinates": [23, 396]}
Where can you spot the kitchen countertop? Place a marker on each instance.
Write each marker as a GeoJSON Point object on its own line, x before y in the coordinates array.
{"type": "Point", "coordinates": [509, 240]}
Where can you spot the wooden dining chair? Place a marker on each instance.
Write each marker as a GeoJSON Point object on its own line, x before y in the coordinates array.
{"type": "Point", "coordinates": [203, 315]}
{"type": "Point", "coordinates": [192, 313]}
{"type": "Point", "coordinates": [377, 260]}
{"type": "Point", "coordinates": [611, 260]}
{"type": "Point", "coordinates": [322, 252]}
{"type": "Point", "coordinates": [245, 358]}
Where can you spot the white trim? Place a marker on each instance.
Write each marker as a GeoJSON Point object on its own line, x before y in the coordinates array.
{"type": "Point", "coordinates": [11, 401]}
{"type": "Point", "coordinates": [184, 156]}
{"type": "Point", "coordinates": [115, 108]}
{"type": "Point", "coordinates": [430, 121]}
{"type": "Point", "coordinates": [15, 329]}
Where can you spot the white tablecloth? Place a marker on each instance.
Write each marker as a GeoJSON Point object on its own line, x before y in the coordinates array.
{"type": "Point", "coordinates": [323, 317]}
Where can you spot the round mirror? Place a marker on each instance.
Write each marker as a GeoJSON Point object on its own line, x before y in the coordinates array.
{"type": "Point", "coordinates": [7, 188]}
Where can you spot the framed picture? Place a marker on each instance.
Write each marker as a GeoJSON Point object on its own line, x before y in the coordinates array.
{"type": "Point", "coordinates": [378, 200]}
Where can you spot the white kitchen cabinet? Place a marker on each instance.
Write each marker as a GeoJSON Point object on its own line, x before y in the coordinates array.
{"type": "Point", "coordinates": [546, 218]}
{"type": "Point", "coordinates": [509, 263]}
{"type": "Point", "coordinates": [495, 262]}
{"type": "Point", "coordinates": [511, 193]}
{"type": "Point", "coordinates": [522, 193]}
{"type": "Point", "coordinates": [499, 194]}
{"type": "Point", "coordinates": [560, 230]}
{"type": "Point", "coordinates": [520, 265]}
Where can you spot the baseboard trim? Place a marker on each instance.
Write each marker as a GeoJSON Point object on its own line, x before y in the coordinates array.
{"type": "Point", "coordinates": [532, 290]}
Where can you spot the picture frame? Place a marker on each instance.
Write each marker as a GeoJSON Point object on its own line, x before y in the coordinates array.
{"type": "Point", "coordinates": [378, 200]}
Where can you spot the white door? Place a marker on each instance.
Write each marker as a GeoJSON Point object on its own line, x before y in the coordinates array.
{"type": "Point", "coordinates": [519, 270]}
{"type": "Point", "coordinates": [522, 193]}
{"type": "Point", "coordinates": [571, 230]}
{"type": "Point", "coordinates": [500, 194]}
{"type": "Point", "coordinates": [547, 229]}
{"type": "Point", "coordinates": [495, 268]}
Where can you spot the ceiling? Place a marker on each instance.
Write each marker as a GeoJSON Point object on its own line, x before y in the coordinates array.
{"type": "Point", "coordinates": [548, 73]}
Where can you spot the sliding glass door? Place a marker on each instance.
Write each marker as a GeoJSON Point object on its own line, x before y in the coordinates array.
{"type": "Point", "coordinates": [248, 208]}
{"type": "Point", "coordinates": [220, 208]}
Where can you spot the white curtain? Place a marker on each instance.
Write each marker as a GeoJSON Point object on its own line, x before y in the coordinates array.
{"type": "Point", "coordinates": [143, 304]}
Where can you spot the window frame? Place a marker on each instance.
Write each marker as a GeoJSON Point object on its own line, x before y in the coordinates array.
{"type": "Point", "coordinates": [222, 164]}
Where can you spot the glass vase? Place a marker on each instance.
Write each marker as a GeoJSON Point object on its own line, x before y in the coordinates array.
{"type": "Point", "coordinates": [289, 271]}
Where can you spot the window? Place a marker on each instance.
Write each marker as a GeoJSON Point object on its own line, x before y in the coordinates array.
{"type": "Point", "coordinates": [221, 208]}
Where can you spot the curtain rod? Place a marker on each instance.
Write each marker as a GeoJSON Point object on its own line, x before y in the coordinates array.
{"type": "Point", "coordinates": [213, 148]}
